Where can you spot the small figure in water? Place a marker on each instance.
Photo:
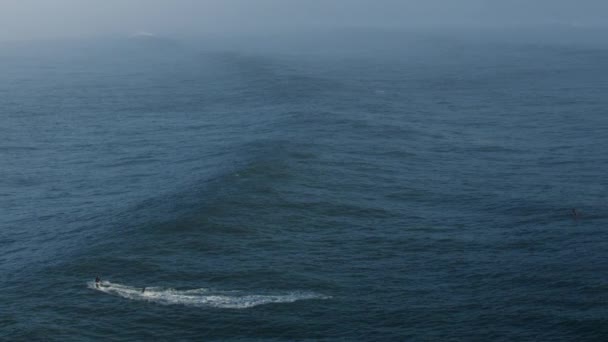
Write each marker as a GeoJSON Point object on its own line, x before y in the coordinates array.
{"type": "Point", "coordinates": [575, 214]}
{"type": "Point", "coordinates": [143, 290]}
{"type": "Point", "coordinates": [97, 281]}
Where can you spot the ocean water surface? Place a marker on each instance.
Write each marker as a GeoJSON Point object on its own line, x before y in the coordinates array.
{"type": "Point", "coordinates": [350, 192]}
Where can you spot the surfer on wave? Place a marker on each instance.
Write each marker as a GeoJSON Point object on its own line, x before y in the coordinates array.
{"type": "Point", "coordinates": [97, 281]}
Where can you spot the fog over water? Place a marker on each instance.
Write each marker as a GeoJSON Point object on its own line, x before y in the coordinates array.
{"type": "Point", "coordinates": [312, 170]}
{"type": "Point", "coordinates": [30, 19]}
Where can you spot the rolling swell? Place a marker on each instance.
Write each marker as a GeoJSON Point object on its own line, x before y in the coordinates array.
{"type": "Point", "coordinates": [253, 179]}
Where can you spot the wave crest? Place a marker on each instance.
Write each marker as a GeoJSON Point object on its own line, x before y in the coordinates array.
{"type": "Point", "coordinates": [202, 297]}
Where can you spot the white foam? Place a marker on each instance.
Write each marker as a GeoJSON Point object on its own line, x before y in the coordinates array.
{"type": "Point", "coordinates": [202, 297]}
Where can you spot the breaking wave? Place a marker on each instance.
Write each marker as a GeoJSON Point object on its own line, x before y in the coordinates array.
{"type": "Point", "coordinates": [202, 297]}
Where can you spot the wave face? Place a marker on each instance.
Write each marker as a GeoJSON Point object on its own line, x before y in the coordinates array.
{"type": "Point", "coordinates": [200, 297]}
{"type": "Point", "coordinates": [425, 192]}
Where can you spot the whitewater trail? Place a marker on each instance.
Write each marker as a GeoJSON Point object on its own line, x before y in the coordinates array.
{"type": "Point", "coordinates": [202, 297]}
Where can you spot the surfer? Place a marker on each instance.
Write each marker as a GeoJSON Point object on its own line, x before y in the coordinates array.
{"type": "Point", "coordinates": [97, 281]}
{"type": "Point", "coordinates": [575, 214]}
{"type": "Point", "coordinates": [143, 290]}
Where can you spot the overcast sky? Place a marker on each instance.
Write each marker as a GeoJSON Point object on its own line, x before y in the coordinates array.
{"type": "Point", "coordinates": [39, 19]}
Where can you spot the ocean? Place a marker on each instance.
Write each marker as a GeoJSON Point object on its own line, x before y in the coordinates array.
{"type": "Point", "coordinates": [416, 190]}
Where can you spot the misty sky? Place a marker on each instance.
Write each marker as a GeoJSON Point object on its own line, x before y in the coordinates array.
{"type": "Point", "coordinates": [39, 19]}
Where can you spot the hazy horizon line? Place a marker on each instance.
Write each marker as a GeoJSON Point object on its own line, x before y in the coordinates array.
{"type": "Point", "coordinates": [304, 30]}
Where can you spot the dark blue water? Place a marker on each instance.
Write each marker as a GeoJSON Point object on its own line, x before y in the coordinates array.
{"type": "Point", "coordinates": [345, 193]}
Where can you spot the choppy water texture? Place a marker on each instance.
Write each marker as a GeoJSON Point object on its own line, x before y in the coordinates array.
{"type": "Point", "coordinates": [346, 193]}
